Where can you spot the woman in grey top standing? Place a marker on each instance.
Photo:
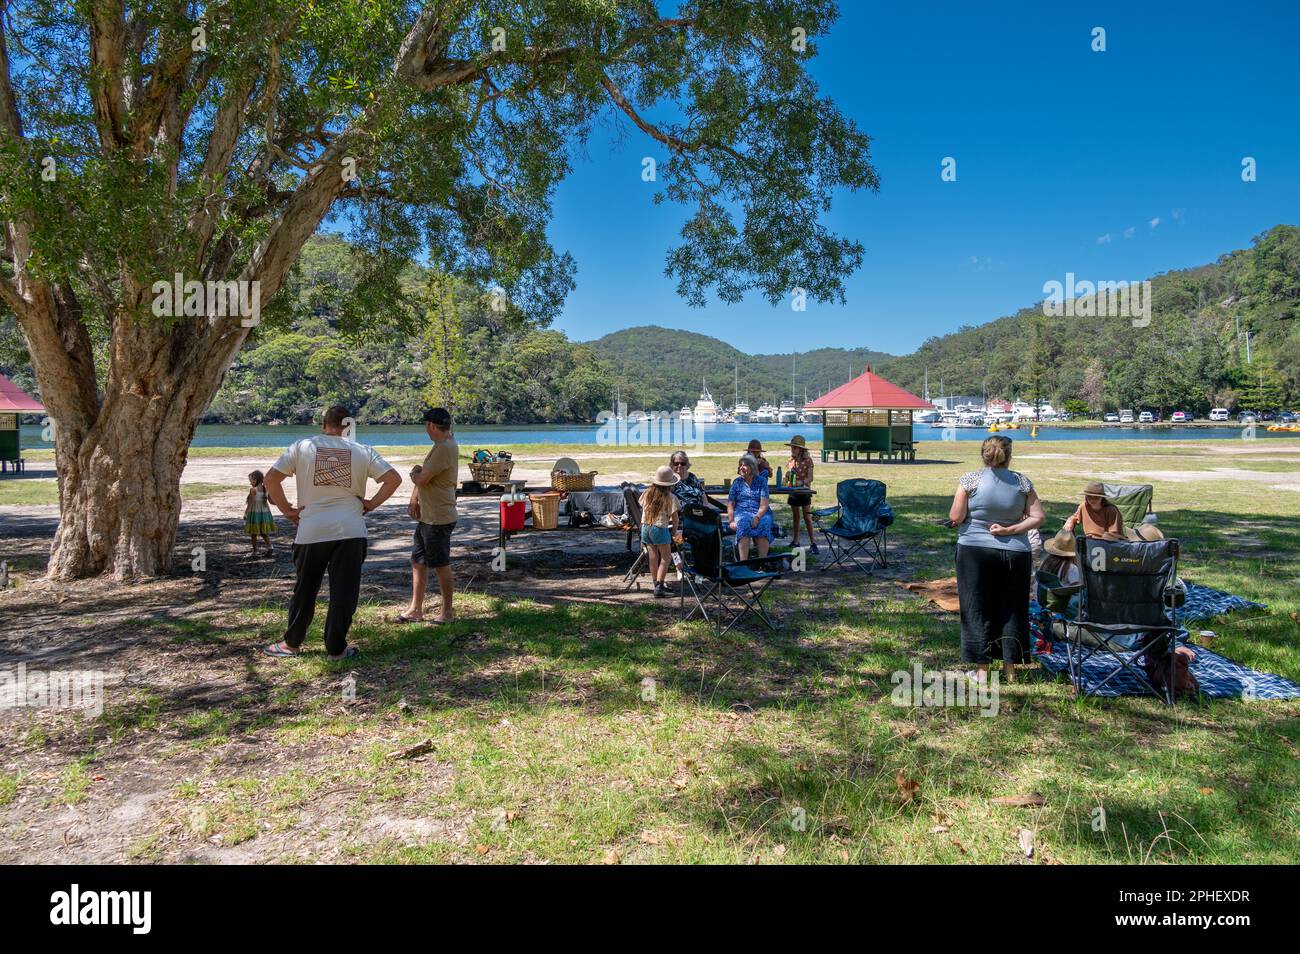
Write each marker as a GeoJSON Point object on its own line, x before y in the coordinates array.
{"type": "Point", "coordinates": [994, 508]}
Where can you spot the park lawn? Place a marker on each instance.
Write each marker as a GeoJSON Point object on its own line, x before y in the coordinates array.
{"type": "Point", "coordinates": [46, 491]}
{"type": "Point", "coordinates": [549, 744]}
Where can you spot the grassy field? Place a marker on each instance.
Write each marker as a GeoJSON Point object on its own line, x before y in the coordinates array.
{"type": "Point", "coordinates": [46, 491]}
{"type": "Point", "coordinates": [583, 730]}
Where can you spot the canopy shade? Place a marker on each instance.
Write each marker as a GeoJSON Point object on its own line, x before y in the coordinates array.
{"type": "Point", "coordinates": [867, 391]}
{"type": "Point", "coordinates": [14, 399]}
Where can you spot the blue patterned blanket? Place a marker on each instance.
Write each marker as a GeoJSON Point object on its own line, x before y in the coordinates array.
{"type": "Point", "coordinates": [1219, 677]}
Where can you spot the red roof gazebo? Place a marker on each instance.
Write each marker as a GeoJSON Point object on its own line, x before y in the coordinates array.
{"type": "Point", "coordinates": [13, 401]}
{"type": "Point", "coordinates": [868, 415]}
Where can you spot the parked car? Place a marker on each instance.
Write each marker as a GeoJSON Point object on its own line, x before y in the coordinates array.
{"type": "Point", "coordinates": [1219, 414]}
{"type": "Point", "coordinates": [1247, 417]}
{"type": "Point", "coordinates": [1179, 417]}
{"type": "Point", "coordinates": [1286, 417]}
{"type": "Point", "coordinates": [1126, 417]}
{"type": "Point", "coordinates": [1111, 417]}
{"type": "Point", "coordinates": [1146, 417]}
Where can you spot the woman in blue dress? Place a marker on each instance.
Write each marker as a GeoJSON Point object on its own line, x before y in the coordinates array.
{"type": "Point", "coordinates": [748, 509]}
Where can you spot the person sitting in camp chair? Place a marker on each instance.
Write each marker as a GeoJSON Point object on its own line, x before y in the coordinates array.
{"type": "Point", "coordinates": [723, 593]}
{"type": "Point", "coordinates": [862, 519]}
{"type": "Point", "coordinates": [1101, 519]}
{"type": "Point", "coordinates": [1058, 578]}
{"type": "Point", "coordinates": [1127, 618]}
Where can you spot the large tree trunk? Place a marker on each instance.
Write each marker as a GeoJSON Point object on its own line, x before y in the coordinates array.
{"type": "Point", "coordinates": [120, 500]}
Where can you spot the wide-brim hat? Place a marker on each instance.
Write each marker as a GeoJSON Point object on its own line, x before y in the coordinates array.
{"type": "Point", "coordinates": [665, 477]}
{"type": "Point", "coordinates": [1094, 489]}
{"type": "Point", "coordinates": [1144, 532]}
{"type": "Point", "coordinates": [797, 441]}
{"type": "Point", "coordinates": [756, 445]}
{"type": "Point", "coordinates": [1061, 545]}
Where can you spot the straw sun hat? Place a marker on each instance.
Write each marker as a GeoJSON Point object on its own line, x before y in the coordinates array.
{"type": "Point", "coordinates": [1061, 545]}
{"type": "Point", "coordinates": [1094, 489]}
{"type": "Point", "coordinates": [665, 477]}
{"type": "Point", "coordinates": [796, 441]}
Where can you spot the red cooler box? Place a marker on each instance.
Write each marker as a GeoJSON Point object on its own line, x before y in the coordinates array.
{"type": "Point", "coordinates": [512, 514]}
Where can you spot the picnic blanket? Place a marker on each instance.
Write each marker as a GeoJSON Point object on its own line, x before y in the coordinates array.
{"type": "Point", "coordinates": [1220, 677]}
{"type": "Point", "coordinates": [942, 593]}
{"type": "Point", "coordinates": [1205, 602]}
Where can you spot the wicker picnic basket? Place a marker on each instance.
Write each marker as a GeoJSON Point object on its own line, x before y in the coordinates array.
{"type": "Point", "coordinates": [492, 471]}
{"type": "Point", "coordinates": [566, 482]}
{"type": "Point", "coordinates": [546, 511]}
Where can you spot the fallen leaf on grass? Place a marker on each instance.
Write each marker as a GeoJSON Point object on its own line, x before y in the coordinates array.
{"type": "Point", "coordinates": [1033, 800]}
{"type": "Point", "coordinates": [613, 857]}
{"type": "Point", "coordinates": [907, 787]}
{"type": "Point", "coordinates": [482, 849]}
{"type": "Point", "coordinates": [938, 829]}
{"type": "Point", "coordinates": [1026, 839]}
{"type": "Point", "coordinates": [908, 732]}
{"type": "Point", "coordinates": [1206, 790]}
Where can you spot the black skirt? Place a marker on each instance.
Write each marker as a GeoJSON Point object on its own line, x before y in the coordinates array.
{"type": "Point", "coordinates": [993, 586]}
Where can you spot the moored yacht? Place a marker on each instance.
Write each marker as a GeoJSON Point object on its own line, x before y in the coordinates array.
{"type": "Point", "coordinates": [706, 410]}
{"type": "Point", "coordinates": [787, 413]}
{"type": "Point", "coordinates": [766, 414]}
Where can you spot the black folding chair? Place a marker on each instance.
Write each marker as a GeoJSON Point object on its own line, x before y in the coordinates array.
{"type": "Point", "coordinates": [632, 500]}
{"type": "Point", "coordinates": [862, 519]}
{"type": "Point", "coordinates": [1127, 610]}
{"type": "Point", "coordinates": [724, 593]}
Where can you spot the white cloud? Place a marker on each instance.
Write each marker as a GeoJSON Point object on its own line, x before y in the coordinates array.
{"type": "Point", "coordinates": [1128, 232]}
{"type": "Point", "coordinates": [1103, 239]}
{"type": "Point", "coordinates": [1155, 221]}
{"type": "Point", "coordinates": [1178, 214]}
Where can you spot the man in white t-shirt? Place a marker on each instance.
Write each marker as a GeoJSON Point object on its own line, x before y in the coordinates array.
{"type": "Point", "coordinates": [331, 473]}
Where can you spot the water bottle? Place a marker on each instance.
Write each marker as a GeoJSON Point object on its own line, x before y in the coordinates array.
{"type": "Point", "coordinates": [778, 475]}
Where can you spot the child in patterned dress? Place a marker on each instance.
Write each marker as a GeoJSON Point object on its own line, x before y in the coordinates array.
{"type": "Point", "coordinates": [257, 513]}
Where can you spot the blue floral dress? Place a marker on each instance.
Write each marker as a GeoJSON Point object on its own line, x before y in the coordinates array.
{"type": "Point", "coordinates": [748, 498]}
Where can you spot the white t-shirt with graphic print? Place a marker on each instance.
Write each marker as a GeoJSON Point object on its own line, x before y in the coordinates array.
{"type": "Point", "coordinates": [331, 477]}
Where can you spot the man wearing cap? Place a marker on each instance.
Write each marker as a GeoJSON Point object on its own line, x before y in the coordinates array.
{"type": "Point", "coordinates": [1101, 519]}
{"type": "Point", "coordinates": [433, 504]}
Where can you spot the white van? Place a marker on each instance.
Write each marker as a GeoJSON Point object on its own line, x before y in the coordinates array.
{"type": "Point", "coordinates": [1126, 417]}
{"type": "Point", "coordinates": [1219, 414]}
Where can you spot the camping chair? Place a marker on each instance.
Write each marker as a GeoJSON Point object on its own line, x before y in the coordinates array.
{"type": "Point", "coordinates": [862, 519]}
{"type": "Point", "coordinates": [1132, 500]}
{"type": "Point", "coordinates": [724, 593]}
{"type": "Point", "coordinates": [1127, 609]}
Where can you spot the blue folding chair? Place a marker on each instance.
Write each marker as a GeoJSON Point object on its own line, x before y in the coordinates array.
{"type": "Point", "coordinates": [724, 593]}
{"type": "Point", "coordinates": [862, 520]}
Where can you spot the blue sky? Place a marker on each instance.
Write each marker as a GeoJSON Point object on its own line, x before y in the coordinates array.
{"type": "Point", "coordinates": [1065, 158]}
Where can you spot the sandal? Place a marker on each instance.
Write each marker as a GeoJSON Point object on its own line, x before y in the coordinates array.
{"type": "Point", "coordinates": [403, 618]}
{"type": "Point", "coordinates": [347, 654]}
{"type": "Point", "coordinates": [279, 649]}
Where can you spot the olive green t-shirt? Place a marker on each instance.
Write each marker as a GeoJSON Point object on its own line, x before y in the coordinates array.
{"type": "Point", "coordinates": [438, 496]}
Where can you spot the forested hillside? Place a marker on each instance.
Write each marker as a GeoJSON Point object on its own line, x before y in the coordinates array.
{"type": "Point", "coordinates": [1190, 356]}
{"type": "Point", "coordinates": [662, 368]}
